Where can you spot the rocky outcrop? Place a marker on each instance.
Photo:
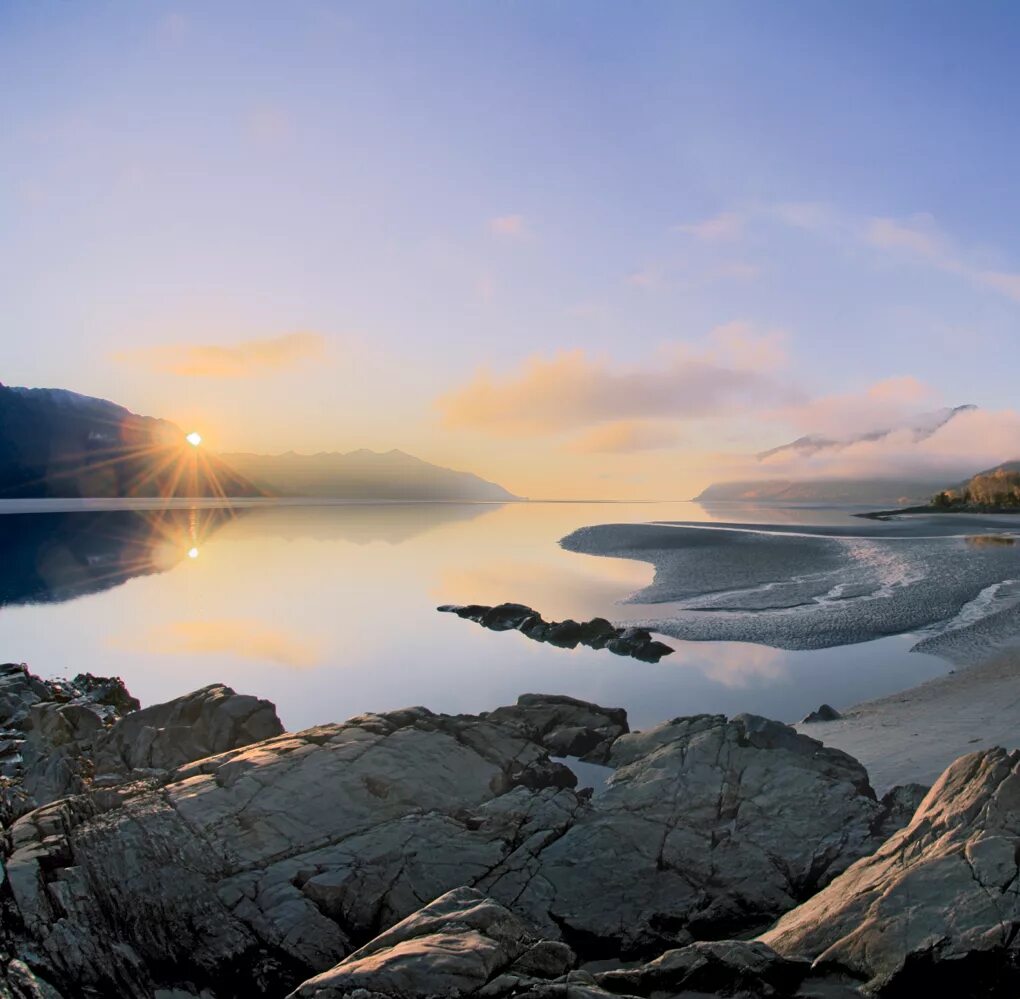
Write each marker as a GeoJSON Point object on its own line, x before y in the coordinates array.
{"type": "Point", "coordinates": [598, 633]}
{"type": "Point", "coordinates": [458, 945]}
{"type": "Point", "coordinates": [712, 968]}
{"type": "Point", "coordinates": [204, 723]}
{"type": "Point", "coordinates": [47, 732]}
{"type": "Point", "coordinates": [825, 713]}
{"type": "Point", "coordinates": [246, 872]}
{"type": "Point", "coordinates": [936, 910]}
{"type": "Point", "coordinates": [61, 737]}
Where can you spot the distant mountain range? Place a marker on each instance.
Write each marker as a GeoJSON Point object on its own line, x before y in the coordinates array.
{"type": "Point", "coordinates": [889, 491]}
{"type": "Point", "coordinates": [59, 444]}
{"type": "Point", "coordinates": [886, 492]}
{"type": "Point", "coordinates": [362, 474]}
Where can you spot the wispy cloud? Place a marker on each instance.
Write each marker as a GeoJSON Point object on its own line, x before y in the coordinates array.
{"type": "Point", "coordinates": [626, 437]}
{"type": "Point", "coordinates": [245, 359]}
{"type": "Point", "coordinates": [508, 225]}
{"type": "Point", "coordinates": [916, 239]}
{"type": "Point", "coordinates": [731, 370]}
{"type": "Point", "coordinates": [722, 227]}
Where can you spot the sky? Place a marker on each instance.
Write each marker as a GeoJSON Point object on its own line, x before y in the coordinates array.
{"type": "Point", "coordinates": [584, 249]}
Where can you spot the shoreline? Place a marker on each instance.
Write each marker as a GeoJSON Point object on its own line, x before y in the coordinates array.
{"type": "Point", "coordinates": [913, 735]}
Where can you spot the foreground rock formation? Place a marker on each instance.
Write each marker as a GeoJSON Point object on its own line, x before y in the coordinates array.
{"type": "Point", "coordinates": [938, 904]}
{"type": "Point", "coordinates": [198, 851]}
{"type": "Point", "coordinates": [598, 633]}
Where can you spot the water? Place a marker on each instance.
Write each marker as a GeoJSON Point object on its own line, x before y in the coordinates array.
{"type": "Point", "coordinates": [329, 611]}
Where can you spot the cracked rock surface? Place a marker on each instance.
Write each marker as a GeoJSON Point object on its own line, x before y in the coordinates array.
{"type": "Point", "coordinates": [246, 872]}
{"type": "Point", "coordinates": [937, 907]}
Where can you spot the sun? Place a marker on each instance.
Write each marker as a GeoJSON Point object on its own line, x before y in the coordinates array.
{"type": "Point", "coordinates": [194, 438]}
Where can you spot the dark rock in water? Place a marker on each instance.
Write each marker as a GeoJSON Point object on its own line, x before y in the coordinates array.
{"type": "Point", "coordinates": [598, 633]}
{"type": "Point", "coordinates": [825, 713]}
{"type": "Point", "coordinates": [565, 634]}
{"type": "Point", "coordinates": [505, 617]}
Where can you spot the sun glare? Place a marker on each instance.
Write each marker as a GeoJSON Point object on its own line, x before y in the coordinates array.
{"type": "Point", "coordinates": [194, 438]}
{"type": "Point", "coordinates": [192, 553]}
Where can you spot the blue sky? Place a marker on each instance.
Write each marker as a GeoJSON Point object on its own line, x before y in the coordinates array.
{"type": "Point", "coordinates": [434, 190]}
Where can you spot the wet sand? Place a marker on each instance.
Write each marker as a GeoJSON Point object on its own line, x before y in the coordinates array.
{"type": "Point", "coordinates": [914, 735]}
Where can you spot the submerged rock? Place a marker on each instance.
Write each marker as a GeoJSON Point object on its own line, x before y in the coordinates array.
{"type": "Point", "coordinates": [936, 910]}
{"type": "Point", "coordinates": [598, 633]}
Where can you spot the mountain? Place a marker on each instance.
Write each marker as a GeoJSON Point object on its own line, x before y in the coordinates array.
{"type": "Point", "coordinates": [888, 492]}
{"type": "Point", "coordinates": [363, 475]}
{"type": "Point", "coordinates": [59, 444]}
{"type": "Point", "coordinates": [920, 428]}
{"type": "Point", "coordinates": [993, 489]}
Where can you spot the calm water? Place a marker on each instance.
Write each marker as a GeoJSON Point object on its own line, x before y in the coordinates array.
{"type": "Point", "coordinates": [330, 610]}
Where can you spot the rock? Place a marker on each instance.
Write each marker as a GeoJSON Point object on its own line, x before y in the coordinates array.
{"type": "Point", "coordinates": [565, 634]}
{"type": "Point", "coordinates": [50, 727]}
{"type": "Point", "coordinates": [505, 617]}
{"type": "Point", "coordinates": [936, 909]}
{"type": "Point", "coordinates": [204, 723]}
{"type": "Point", "coordinates": [898, 807]}
{"type": "Point", "coordinates": [455, 946]}
{"type": "Point", "coordinates": [262, 866]}
{"type": "Point", "coordinates": [825, 713]}
{"type": "Point", "coordinates": [715, 968]}
{"type": "Point", "coordinates": [565, 726]}
{"type": "Point", "coordinates": [597, 633]}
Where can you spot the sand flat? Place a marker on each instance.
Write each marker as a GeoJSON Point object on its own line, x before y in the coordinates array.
{"type": "Point", "coordinates": [914, 735]}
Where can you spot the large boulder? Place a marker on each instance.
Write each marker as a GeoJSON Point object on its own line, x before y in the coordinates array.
{"type": "Point", "coordinates": [936, 910]}
{"type": "Point", "coordinates": [203, 723]}
{"type": "Point", "coordinates": [564, 725]}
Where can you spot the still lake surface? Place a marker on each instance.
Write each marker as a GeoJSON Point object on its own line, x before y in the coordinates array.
{"type": "Point", "coordinates": [329, 610]}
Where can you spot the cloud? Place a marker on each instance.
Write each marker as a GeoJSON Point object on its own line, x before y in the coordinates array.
{"type": "Point", "coordinates": [916, 234]}
{"type": "Point", "coordinates": [626, 437]}
{"type": "Point", "coordinates": [916, 238]}
{"type": "Point", "coordinates": [723, 227]}
{"type": "Point", "coordinates": [647, 278]}
{"type": "Point", "coordinates": [971, 441]}
{"type": "Point", "coordinates": [886, 403]}
{"type": "Point", "coordinates": [732, 370]}
{"type": "Point", "coordinates": [508, 225]}
{"type": "Point", "coordinates": [245, 359]}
